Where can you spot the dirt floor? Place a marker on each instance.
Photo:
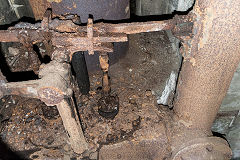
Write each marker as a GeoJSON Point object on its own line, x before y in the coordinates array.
{"type": "Point", "coordinates": [33, 130]}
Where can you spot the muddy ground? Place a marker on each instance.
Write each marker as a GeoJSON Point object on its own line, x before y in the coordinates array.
{"type": "Point", "coordinates": [33, 130]}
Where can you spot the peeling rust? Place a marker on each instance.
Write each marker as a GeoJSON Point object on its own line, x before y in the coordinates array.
{"type": "Point", "coordinates": [212, 58]}
{"type": "Point", "coordinates": [50, 95]}
{"type": "Point", "coordinates": [66, 34]}
{"type": "Point", "coordinates": [39, 7]}
{"type": "Point", "coordinates": [104, 64]}
{"type": "Point", "coordinates": [210, 36]}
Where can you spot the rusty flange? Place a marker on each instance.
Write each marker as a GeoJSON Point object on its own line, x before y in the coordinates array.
{"type": "Point", "coordinates": [211, 148]}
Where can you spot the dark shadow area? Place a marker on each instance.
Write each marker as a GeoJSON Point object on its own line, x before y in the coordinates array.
{"type": "Point", "coordinates": [23, 19]}
{"type": "Point", "coordinates": [15, 76]}
{"type": "Point", "coordinates": [216, 134]}
{"type": "Point", "coordinates": [79, 67]}
{"type": "Point", "coordinates": [7, 154]}
{"type": "Point", "coordinates": [43, 59]}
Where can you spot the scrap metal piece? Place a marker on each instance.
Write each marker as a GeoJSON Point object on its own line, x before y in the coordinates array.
{"type": "Point", "coordinates": [108, 106]}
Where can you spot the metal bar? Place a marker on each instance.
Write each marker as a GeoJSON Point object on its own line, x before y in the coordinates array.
{"type": "Point", "coordinates": [138, 27]}
{"type": "Point", "coordinates": [25, 88]}
{"type": "Point", "coordinates": [104, 64]}
{"type": "Point", "coordinates": [62, 26]}
{"type": "Point", "coordinates": [14, 35]}
{"type": "Point", "coordinates": [76, 137]}
{"type": "Point", "coordinates": [73, 39]}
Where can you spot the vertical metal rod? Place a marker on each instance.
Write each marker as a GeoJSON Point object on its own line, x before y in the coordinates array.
{"type": "Point", "coordinates": [104, 64]}
{"type": "Point", "coordinates": [72, 125]}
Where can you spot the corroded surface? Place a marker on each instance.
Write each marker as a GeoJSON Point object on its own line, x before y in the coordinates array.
{"type": "Point", "coordinates": [210, 62]}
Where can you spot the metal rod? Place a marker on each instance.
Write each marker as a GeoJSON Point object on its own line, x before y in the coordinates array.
{"type": "Point", "coordinates": [104, 64]}
{"type": "Point", "coordinates": [73, 127]}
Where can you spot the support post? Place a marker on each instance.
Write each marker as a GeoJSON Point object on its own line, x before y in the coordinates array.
{"type": "Point", "coordinates": [210, 60]}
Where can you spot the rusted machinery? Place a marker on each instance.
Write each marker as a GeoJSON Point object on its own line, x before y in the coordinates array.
{"type": "Point", "coordinates": [210, 37]}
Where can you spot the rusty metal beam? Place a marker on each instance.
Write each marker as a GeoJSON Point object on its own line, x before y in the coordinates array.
{"type": "Point", "coordinates": [100, 28]}
{"type": "Point", "coordinates": [66, 34]}
{"type": "Point", "coordinates": [138, 27]}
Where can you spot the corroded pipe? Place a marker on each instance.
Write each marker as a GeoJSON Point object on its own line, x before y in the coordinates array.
{"type": "Point", "coordinates": [209, 64]}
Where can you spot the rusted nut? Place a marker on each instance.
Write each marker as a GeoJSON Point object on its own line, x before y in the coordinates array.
{"type": "Point", "coordinates": [203, 148]}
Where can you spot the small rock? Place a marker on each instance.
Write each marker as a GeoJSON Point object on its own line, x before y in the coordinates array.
{"type": "Point", "coordinates": [13, 51]}
{"type": "Point", "coordinates": [132, 101]}
{"type": "Point", "coordinates": [29, 119]}
{"type": "Point", "coordinates": [50, 140]}
{"type": "Point", "coordinates": [38, 121]}
{"type": "Point", "coordinates": [67, 148]}
{"type": "Point", "coordinates": [93, 155]}
{"type": "Point", "coordinates": [148, 93]}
